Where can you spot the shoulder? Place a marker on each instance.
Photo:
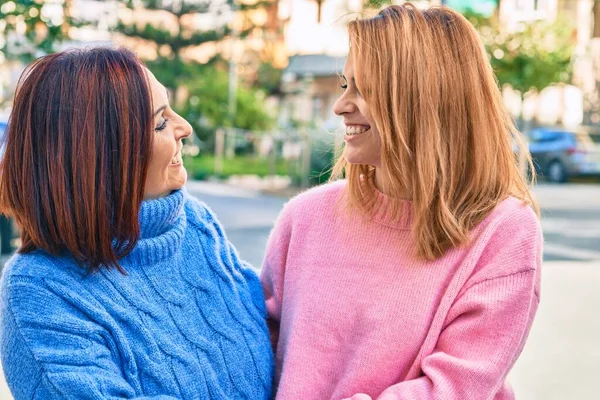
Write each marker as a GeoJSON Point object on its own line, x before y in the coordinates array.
{"type": "Point", "coordinates": [37, 285]}
{"type": "Point", "coordinates": [36, 290]}
{"type": "Point", "coordinates": [43, 307]}
{"type": "Point", "coordinates": [511, 216]}
{"type": "Point", "coordinates": [40, 265]}
{"type": "Point", "coordinates": [299, 213]}
{"type": "Point", "coordinates": [34, 280]}
{"type": "Point", "coordinates": [509, 241]}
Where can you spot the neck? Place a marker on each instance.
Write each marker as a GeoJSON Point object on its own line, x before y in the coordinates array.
{"type": "Point", "coordinates": [383, 184]}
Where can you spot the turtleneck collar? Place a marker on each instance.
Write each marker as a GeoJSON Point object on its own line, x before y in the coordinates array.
{"type": "Point", "coordinates": [387, 210]}
{"type": "Point", "coordinates": [384, 211]}
{"type": "Point", "coordinates": [158, 215]}
{"type": "Point", "coordinates": [162, 226]}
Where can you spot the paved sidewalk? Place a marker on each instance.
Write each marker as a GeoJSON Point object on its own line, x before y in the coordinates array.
{"type": "Point", "coordinates": [561, 360]}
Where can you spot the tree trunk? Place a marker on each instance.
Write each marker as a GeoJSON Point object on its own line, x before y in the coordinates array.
{"type": "Point", "coordinates": [319, 7]}
{"type": "Point", "coordinates": [596, 13]}
{"type": "Point", "coordinates": [497, 10]}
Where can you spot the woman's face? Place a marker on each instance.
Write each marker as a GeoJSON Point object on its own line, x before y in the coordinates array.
{"type": "Point", "coordinates": [363, 145]}
{"type": "Point", "coordinates": [165, 170]}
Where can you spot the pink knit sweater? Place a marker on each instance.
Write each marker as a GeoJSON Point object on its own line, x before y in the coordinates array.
{"type": "Point", "coordinates": [360, 313]}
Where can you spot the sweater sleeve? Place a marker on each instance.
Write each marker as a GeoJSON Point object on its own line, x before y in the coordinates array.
{"type": "Point", "coordinates": [274, 264]}
{"type": "Point", "coordinates": [50, 349]}
{"type": "Point", "coordinates": [487, 325]}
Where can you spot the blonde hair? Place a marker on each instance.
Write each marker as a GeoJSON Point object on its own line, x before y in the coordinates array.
{"type": "Point", "coordinates": [446, 137]}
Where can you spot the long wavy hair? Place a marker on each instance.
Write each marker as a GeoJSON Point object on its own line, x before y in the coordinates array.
{"type": "Point", "coordinates": [446, 137]}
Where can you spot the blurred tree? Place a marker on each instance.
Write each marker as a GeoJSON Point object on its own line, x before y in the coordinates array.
{"type": "Point", "coordinates": [202, 95]}
{"type": "Point", "coordinates": [268, 78]}
{"type": "Point", "coordinates": [206, 107]}
{"type": "Point", "coordinates": [376, 3]}
{"type": "Point", "coordinates": [319, 9]}
{"type": "Point", "coordinates": [176, 30]}
{"type": "Point", "coordinates": [530, 59]}
{"type": "Point", "coordinates": [173, 30]}
{"type": "Point", "coordinates": [31, 28]}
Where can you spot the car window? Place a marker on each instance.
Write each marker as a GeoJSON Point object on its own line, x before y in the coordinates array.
{"type": "Point", "coordinates": [540, 136]}
{"type": "Point", "coordinates": [588, 139]}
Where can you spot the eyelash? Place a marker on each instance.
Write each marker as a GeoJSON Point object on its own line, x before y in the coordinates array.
{"type": "Point", "coordinates": [345, 86]}
{"type": "Point", "coordinates": [162, 126]}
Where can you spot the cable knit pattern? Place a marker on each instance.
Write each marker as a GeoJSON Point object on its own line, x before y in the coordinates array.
{"type": "Point", "coordinates": [186, 322]}
{"type": "Point", "coordinates": [359, 312]}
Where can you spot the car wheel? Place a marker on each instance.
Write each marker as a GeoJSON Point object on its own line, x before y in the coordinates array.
{"type": "Point", "coordinates": [557, 172]}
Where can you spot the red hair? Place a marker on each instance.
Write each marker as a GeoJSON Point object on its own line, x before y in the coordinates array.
{"type": "Point", "coordinates": [77, 149]}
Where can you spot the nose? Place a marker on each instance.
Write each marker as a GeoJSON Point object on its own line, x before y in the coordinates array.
{"type": "Point", "coordinates": [344, 104]}
{"type": "Point", "coordinates": [183, 130]}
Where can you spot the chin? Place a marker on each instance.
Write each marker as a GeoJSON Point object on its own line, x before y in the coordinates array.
{"type": "Point", "coordinates": [356, 159]}
{"type": "Point", "coordinates": [180, 180]}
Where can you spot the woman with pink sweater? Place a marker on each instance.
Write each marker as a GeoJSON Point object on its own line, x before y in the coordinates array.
{"type": "Point", "coordinates": [418, 275]}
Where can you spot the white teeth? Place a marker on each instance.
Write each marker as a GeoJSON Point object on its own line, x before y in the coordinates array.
{"type": "Point", "coordinates": [176, 159]}
{"type": "Point", "coordinates": [355, 130]}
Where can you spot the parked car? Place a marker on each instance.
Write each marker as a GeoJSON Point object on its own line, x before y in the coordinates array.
{"type": "Point", "coordinates": [560, 154]}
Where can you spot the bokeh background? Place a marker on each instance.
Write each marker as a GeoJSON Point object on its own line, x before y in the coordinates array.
{"type": "Point", "coordinates": [257, 81]}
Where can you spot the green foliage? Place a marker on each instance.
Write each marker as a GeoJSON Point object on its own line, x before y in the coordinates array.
{"type": "Point", "coordinates": [175, 42]}
{"type": "Point", "coordinates": [176, 72]}
{"type": "Point", "coordinates": [269, 78]}
{"type": "Point", "coordinates": [203, 166]}
{"type": "Point", "coordinates": [376, 3]}
{"type": "Point", "coordinates": [178, 8]}
{"type": "Point", "coordinates": [321, 161]}
{"type": "Point", "coordinates": [41, 35]}
{"type": "Point", "coordinates": [531, 59]}
{"type": "Point", "coordinates": [207, 105]}
{"type": "Point", "coordinates": [170, 68]}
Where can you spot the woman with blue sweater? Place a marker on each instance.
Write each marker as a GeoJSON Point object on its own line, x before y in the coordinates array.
{"type": "Point", "coordinates": [124, 287]}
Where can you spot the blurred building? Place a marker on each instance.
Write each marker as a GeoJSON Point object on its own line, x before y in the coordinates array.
{"type": "Point", "coordinates": [310, 86]}
{"type": "Point", "coordinates": [316, 40]}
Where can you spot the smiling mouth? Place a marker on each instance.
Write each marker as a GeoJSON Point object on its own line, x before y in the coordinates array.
{"type": "Point", "coordinates": [177, 159]}
{"type": "Point", "coordinates": [353, 130]}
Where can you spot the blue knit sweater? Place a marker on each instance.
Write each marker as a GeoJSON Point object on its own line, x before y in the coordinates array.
{"type": "Point", "coordinates": [186, 322]}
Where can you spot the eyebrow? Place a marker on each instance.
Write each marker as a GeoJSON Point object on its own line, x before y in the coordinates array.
{"type": "Point", "coordinates": [159, 110]}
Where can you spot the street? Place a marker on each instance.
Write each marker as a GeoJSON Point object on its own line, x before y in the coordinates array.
{"type": "Point", "coordinates": [561, 360]}
{"type": "Point", "coordinates": [570, 219]}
